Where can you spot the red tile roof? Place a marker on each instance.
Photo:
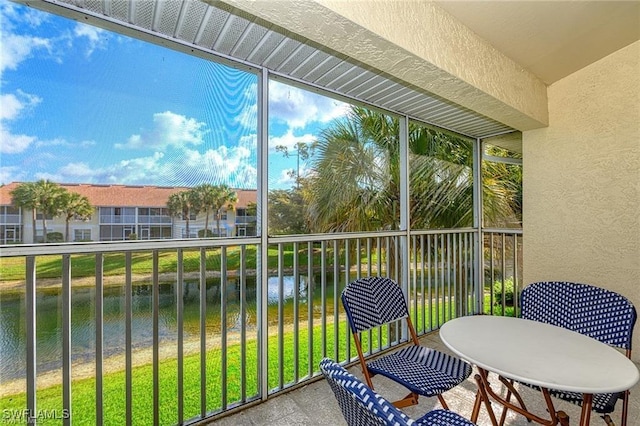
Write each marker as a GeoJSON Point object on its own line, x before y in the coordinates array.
{"type": "Point", "coordinates": [126, 195]}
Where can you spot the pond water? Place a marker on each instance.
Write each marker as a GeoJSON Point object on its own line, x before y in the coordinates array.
{"type": "Point", "coordinates": [83, 330]}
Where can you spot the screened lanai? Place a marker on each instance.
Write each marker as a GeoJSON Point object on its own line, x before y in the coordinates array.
{"type": "Point", "coordinates": [191, 329]}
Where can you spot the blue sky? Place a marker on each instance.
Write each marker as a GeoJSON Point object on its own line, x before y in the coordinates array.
{"type": "Point", "coordinates": [79, 104]}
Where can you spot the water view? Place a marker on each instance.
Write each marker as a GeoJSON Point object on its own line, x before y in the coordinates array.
{"type": "Point", "coordinates": [83, 331]}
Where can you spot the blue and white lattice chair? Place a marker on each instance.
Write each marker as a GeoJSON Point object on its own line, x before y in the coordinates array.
{"type": "Point", "coordinates": [361, 406]}
{"type": "Point", "coordinates": [375, 301]}
{"type": "Point", "coordinates": [593, 311]}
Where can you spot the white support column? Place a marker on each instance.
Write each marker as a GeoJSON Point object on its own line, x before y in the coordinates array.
{"type": "Point", "coordinates": [478, 276]}
{"type": "Point", "coordinates": [262, 226]}
{"type": "Point", "coordinates": [405, 246]}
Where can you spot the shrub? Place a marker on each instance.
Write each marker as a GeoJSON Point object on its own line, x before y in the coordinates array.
{"type": "Point", "coordinates": [508, 291]}
{"type": "Point", "coordinates": [205, 233]}
{"type": "Point", "coordinates": [54, 237]}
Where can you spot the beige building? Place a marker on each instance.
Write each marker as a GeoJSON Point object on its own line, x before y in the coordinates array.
{"type": "Point", "coordinates": [124, 212]}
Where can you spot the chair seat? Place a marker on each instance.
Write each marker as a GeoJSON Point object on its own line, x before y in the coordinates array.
{"type": "Point", "coordinates": [423, 370]}
{"type": "Point", "coordinates": [603, 403]}
{"type": "Point", "coordinates": [442, 418]}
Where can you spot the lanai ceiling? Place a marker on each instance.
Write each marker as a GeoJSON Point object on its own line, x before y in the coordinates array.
{"type": "Point", "coordinates": [551, 39]}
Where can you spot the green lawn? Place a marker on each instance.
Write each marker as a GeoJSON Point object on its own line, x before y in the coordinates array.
{"type": "Point", "coordinates": [83, 265]}
{"type": "Point", "coordinates": [83, 391]}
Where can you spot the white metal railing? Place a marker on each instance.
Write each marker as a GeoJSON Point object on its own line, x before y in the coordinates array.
{"type": "Point", "coordinates": [184, 317]}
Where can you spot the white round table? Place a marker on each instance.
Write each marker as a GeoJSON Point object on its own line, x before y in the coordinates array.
{"type": "Point", "coordinates": [539, 354]}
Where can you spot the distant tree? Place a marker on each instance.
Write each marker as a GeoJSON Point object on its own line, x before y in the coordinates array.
{"type": "Point", "coordinates": [252, 209]}
{"type": "Point", "coordinates": [74, 206]}
{"type": "Point", "coordinates": [214, 199]}
{"type": "Point", "coordinates": [224, 198]}
{"type": "Point", "coordinates": [182, 205]}
{"type": "Point", "coordinates": [205, 195]}
{"type": "Point", "coordinates": [23, 196]}
{"type": "Point", "coordinates": [43, 196]}
{"type": "Point", "coordinates": [49, 195]}
{"type": "Point", "coordinates": [287, 212]}
{"type": "Point", "coordinates": [303, 151]}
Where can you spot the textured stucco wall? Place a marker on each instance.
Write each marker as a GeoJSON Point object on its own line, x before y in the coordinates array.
{"type": "Point", "coordinates": [419, 43]}
{"type": "Point", "coordinates": [582, 180]}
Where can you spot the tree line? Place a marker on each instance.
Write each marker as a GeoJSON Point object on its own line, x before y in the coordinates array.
{"type": "Point", "coordinates": [204, 198]}
{"type": "Point", "coordinates": [352, 184]}
{"type": "Point", "coordinates": [49, 199]}
{"type": "Point", "coordinates": [353, 181]}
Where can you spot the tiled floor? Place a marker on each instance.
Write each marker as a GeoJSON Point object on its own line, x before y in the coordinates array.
{"type": "Point", "coordinates": [315, 404]}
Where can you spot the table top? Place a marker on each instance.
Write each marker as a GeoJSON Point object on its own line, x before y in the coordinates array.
{"type": "Point", "coordinates": [539, 354]}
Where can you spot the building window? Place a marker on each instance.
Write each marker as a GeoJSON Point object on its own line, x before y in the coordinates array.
{"type": "Point", "coordinates": [82, 234]}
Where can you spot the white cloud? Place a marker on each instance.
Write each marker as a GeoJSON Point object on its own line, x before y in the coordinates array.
{"type": "Point", "coordinates": [13, 144]}
{"type": "Point", "coordinates": [14, 49]}
{"type": "Point", "coordinates": [230, 165]}
{"type": "Point", "coordinates": [10, 174]}
{"type": "Point", "coordinates": [297, 107]}
{"type": "Point", "coordinates": [248, 117]}
{"type": "Point", "coordinates": [286, 179]}
{"type": "Point", "coordinates": [97, 38]}
{"type": "Point", "coordinates": [11, 106]}
{"type": "Point", "coordinates": [78, 170]}
{"type": "Point", "coordinates": [289, 140]}
{"type": "Point", "coordinates": [58, 142]}
{"type": "Point", "coordinates": [186, 168]}
{"type": "Point", "coordinates": [11, 14]}
{"type": "Point", "coordinates": [169, 129]}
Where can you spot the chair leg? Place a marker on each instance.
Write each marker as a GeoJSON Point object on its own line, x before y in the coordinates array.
{"type": "Point", "coordinates": [625, 408]}
{"type": "Point", "coordinates": [563, 418]}
{"type": "Point", "coordinates": [481, 382]}
{"type": "Point", "coordinates": [511, 390]}
{"type": "Point", "coordinates": [443, 402]}
{"type": "Point", "coordinates": [410, 399]}
{"type": "Point", "coordinates": [476, 407]}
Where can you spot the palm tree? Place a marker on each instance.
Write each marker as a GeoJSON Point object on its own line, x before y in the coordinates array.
{"type": "Point", "coordinates": [205, 194]}
{"type": "Point", "coordinates": [223, 197]}
{"type": "Point", "coordinates": [23, 196]}
{"type": "Point", "coordinates": [182, 205]}
{"type": "Point", "coordinates": [74, 206]}
{"type": "Point", "coordinates": [48, 195]}
{"type": "Point", "coordinates": [213, 199]}
{"type": "Point", "coordinates": [355, 184]}
{"type": "Point", "coordinates": [43, 196]}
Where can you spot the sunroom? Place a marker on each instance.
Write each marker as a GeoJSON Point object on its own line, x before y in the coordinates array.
{"type": "Point", "coordinates": [431, 103]}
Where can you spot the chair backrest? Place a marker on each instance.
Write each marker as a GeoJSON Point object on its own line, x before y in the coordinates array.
{"type": "Point", "coordinates": [373, 301]}
{"type": "Point", "coordinates": [360, 405]}
{"type": "Point", "coordinates": [593, 311]}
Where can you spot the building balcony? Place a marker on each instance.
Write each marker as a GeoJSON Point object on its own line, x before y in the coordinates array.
{"type": "Point", "coordinates": [245, 220]}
